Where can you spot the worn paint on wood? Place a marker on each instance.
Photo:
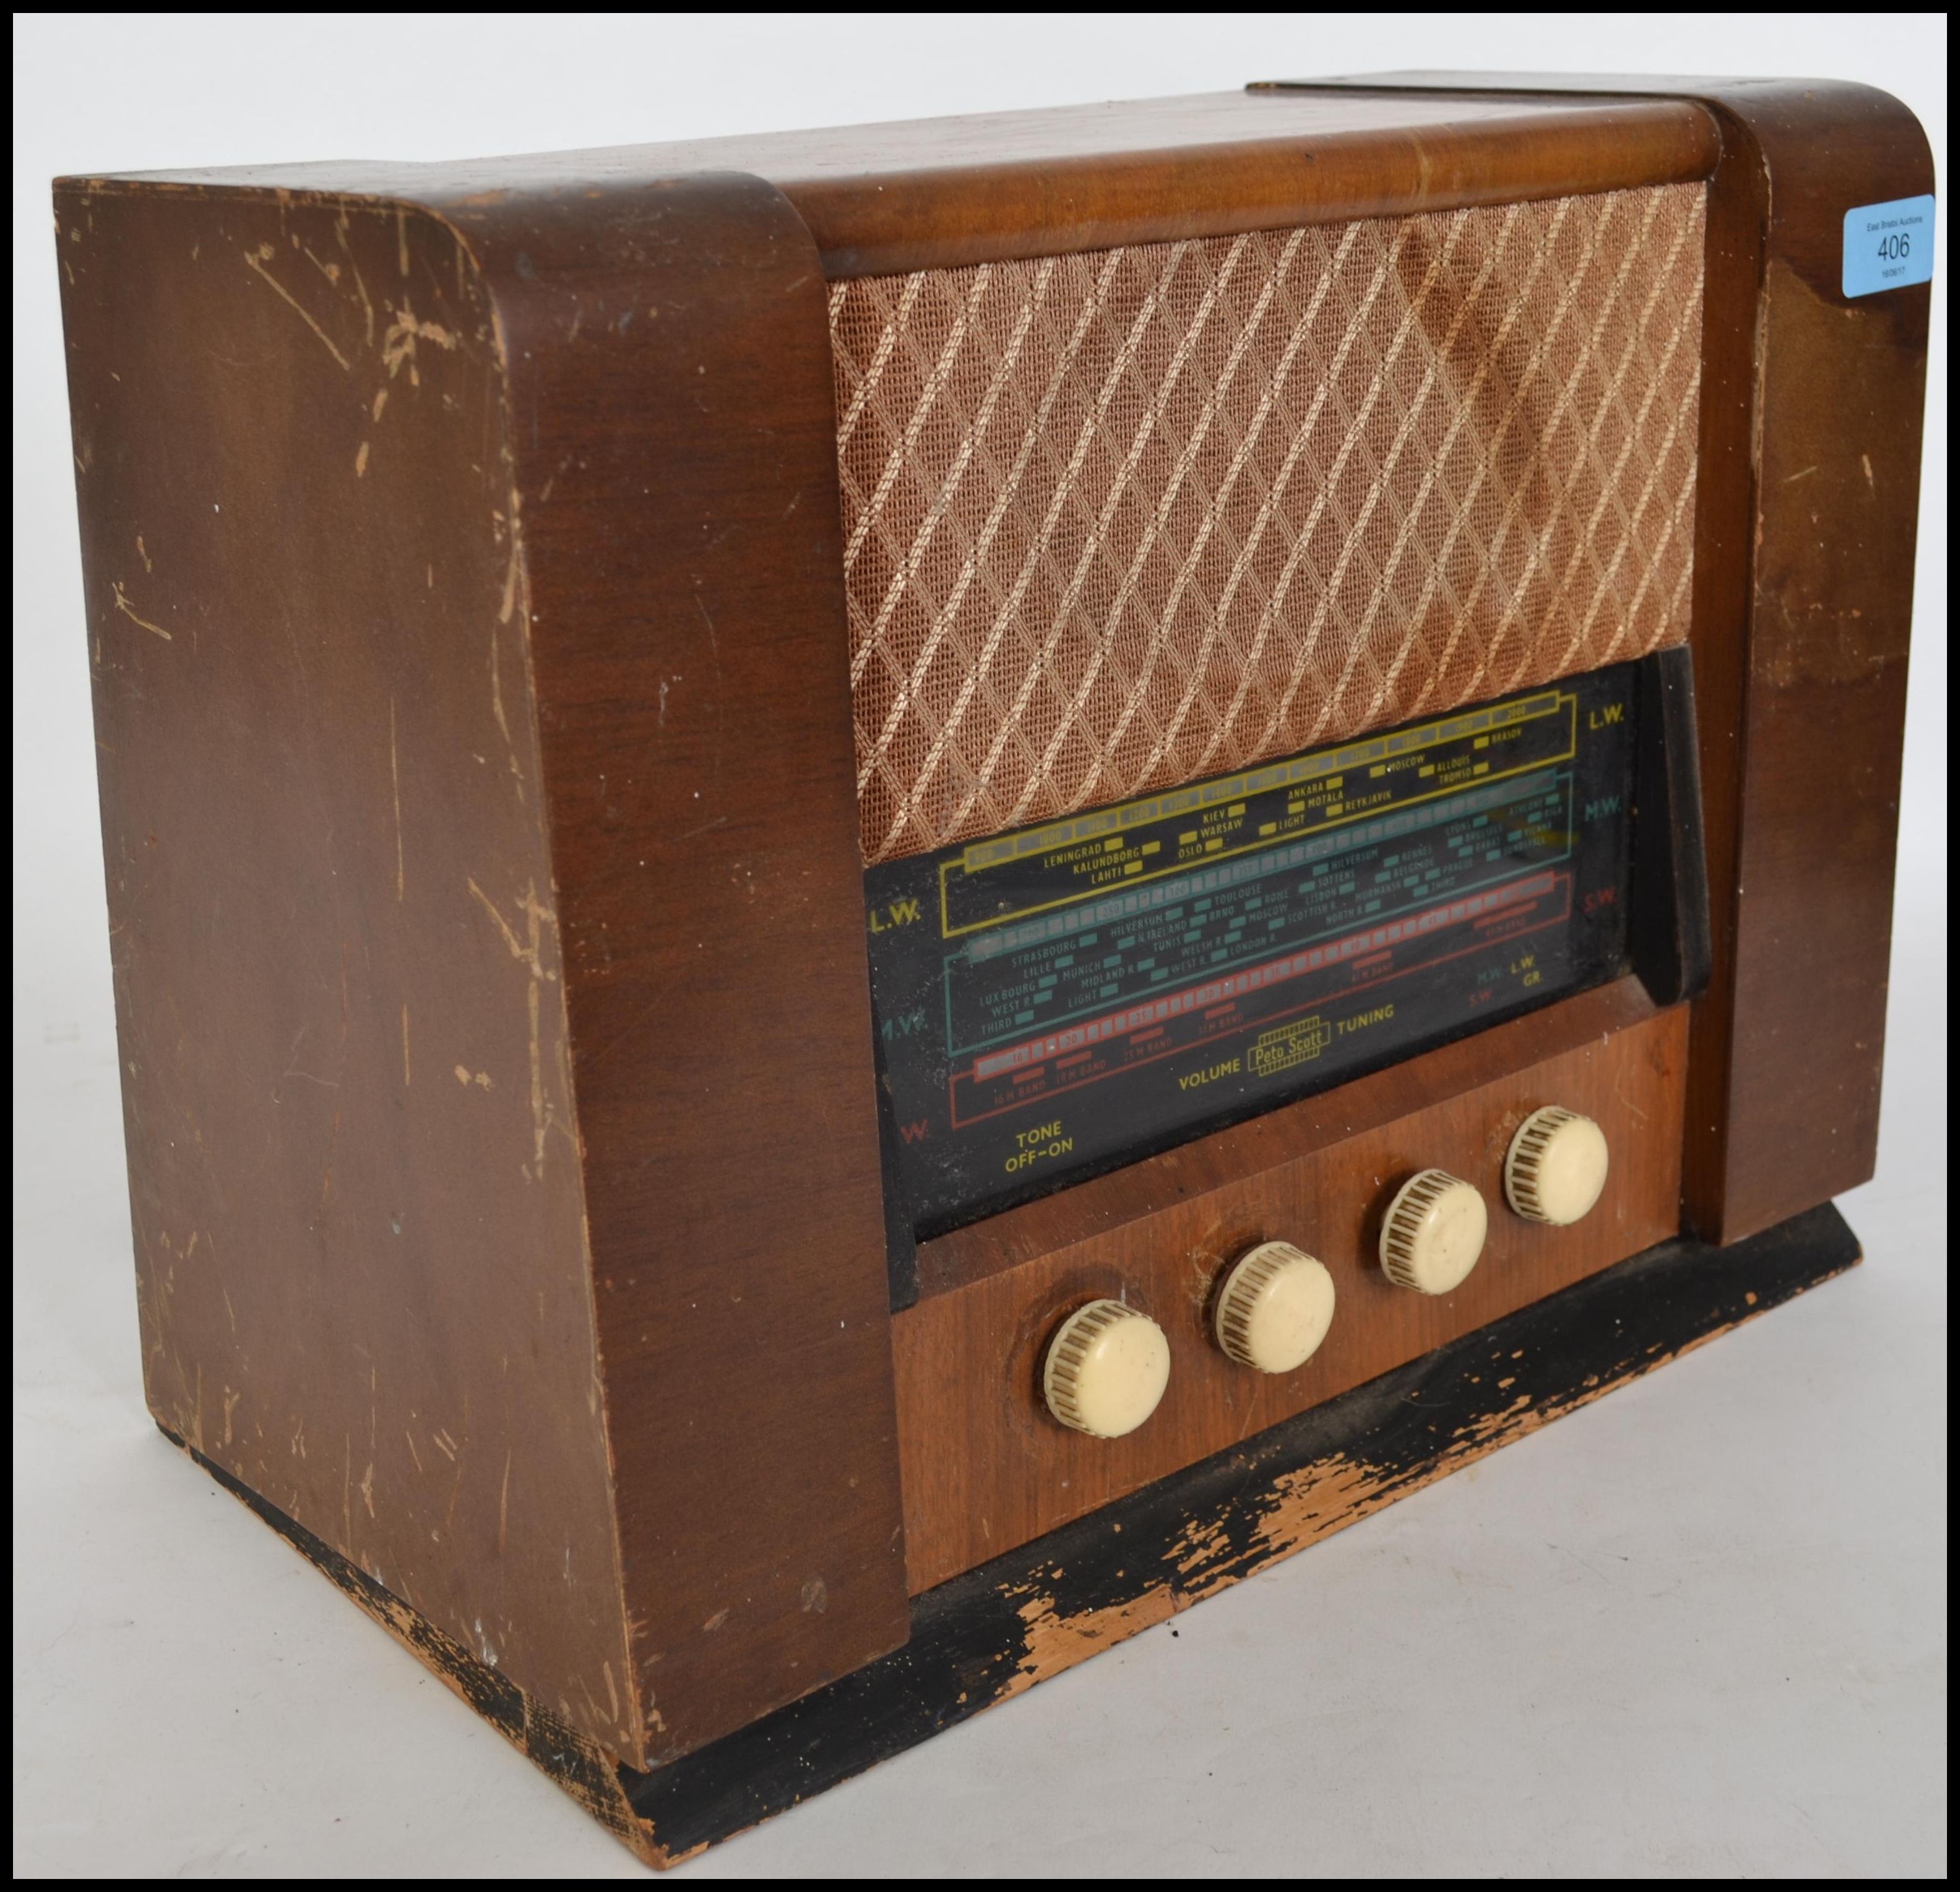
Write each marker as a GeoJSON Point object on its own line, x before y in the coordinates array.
{"type": "Point", "coordinates": [995, 1631]}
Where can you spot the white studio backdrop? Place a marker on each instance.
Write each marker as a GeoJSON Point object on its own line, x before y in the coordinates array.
{"type": "Point", "coordinates": [1697, 1629]}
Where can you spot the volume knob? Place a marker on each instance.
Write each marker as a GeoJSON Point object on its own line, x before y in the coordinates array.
{"type": "Point", "coordinates": [1106, 1369]}
{"type": "Point", "coordinates": [1433, 1232]}
{"type": "Point", "coordinates": [1274, 1308]}
{"type": "Point", "coordinates": [1556, 1166]}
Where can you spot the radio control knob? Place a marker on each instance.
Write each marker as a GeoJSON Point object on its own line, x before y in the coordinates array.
{"type": "Point", "coordinates": [1556, 1166]}
{"type": "Point", "coordinates": [1274, 1308]}
{"type": "Point", "coordinates": [1433, 1232]}
{"type": "Point", "coordinates": [1106, 1369]}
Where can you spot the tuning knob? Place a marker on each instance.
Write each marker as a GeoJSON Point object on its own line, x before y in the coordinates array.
{"type": "Point", "coordinates": [1433, 1233]}
{"type": "Point", "coordinates": [1556, 1166]}
{"type": "Point", "coordinates": [1273, 1308]}
{"type": "Point", "coordinates": [1106, 1369]}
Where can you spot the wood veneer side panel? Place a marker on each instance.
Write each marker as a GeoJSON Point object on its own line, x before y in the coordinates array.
{"type": "Point", "coordinates": [361, 1291]}
{"type": "Point", "coordinates": [1812, 421]}
{"type": "Point", "coordinates": [986, 1468]}
{"type": "Point", "coordinates": [1841, 402]}
{"type": "Point", "coordinates": [675, 462]}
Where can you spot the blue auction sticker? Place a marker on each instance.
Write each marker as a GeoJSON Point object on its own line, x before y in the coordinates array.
{"type": "Point", "coordinates": [1887, 245]}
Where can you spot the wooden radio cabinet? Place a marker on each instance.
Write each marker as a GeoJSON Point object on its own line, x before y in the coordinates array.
{"type": "Point", "coordinates": [594, 656]}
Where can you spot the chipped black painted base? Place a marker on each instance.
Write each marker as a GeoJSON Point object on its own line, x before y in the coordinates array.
{"type": "Point", "coordinates": [1035, 1611]}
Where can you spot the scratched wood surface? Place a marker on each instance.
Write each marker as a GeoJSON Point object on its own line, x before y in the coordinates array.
{"type": "Point", "coordinates": [676, 459]}
{"type": "Point", "coordinates": [1827, 558]}
{"type": "Point", "coordinates": [986, 1467]}
{"type": "Point", "coordinates": [481, 833]}
{"type": "Point", "coordinates": [354, 1187]}
{"type": "Point", "coordinates": [1038, 1612]}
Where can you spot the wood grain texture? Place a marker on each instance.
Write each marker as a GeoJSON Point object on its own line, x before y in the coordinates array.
{"type": "Point", "coordinates": [1838, 419]}
{"type": "Point", "coordinates": [477, 792]}
{"type": "Point", "coordinates": [1812, 416]}
{"type": "Point", "coordinates": [1035, 1612]}
{"type": "Point", "coordinates": [986, 1468]}
{"type": "Point", "coordinates": [675, 476]}
{"type": "Point", "coordinates": [358, 1211]}
{"type": "Point", "coordinates": [941, 193]}
{"type": "Point", "coordinates": [1205, 167]}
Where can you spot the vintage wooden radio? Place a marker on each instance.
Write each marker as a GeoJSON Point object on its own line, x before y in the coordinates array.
{"type": "Point", "coordinates": [865, 884]}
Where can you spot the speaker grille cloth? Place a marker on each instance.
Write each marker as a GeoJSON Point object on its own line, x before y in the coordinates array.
{"type": "Point", "coordinates": [1116, 520]}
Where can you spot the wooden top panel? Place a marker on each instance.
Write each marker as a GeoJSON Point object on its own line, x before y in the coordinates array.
{"type": "Point", "coordinates": [1089, 176]}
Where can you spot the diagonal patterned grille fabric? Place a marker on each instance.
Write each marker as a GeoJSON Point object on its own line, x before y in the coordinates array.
{"type": "Point", "coordinates": [1116, 520]}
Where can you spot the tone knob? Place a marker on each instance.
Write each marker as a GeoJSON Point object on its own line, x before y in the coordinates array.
{"type": "Point", "coordinates": [1556, 1166]}
{"type": "Point", "coordinates": [1433, 1232]}
{"type": "Point", "coordinates": [1273, 1308]}
{"type": "Point", "coordinates": [1106, 1369]}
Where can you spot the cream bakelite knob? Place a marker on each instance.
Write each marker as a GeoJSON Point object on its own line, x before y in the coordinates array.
{"type": "Point", "coordinates": [1106, 1369]}
{"type": "Point", "coordinates": [1433, 1232]}
{"type": "Point", "coordinates": [1274, 1308]}
{"type": "Point", "coordinates": [1556, 1166]}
